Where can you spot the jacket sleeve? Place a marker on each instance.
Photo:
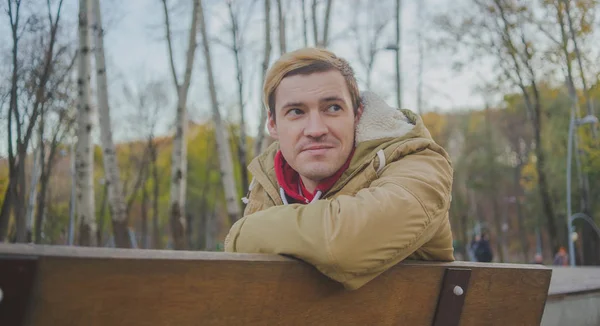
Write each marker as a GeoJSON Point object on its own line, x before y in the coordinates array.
{"type": "Point", "coordinates": [352, 239]}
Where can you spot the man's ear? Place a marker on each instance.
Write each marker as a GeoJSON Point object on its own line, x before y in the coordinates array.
{"type": "Point", "coordinates": [359, 113]}
{"type": "Point", "coordinates": [271, 126]}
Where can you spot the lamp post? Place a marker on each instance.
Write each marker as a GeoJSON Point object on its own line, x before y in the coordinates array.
{"type": "Point", "coordinates": [590, 119]}
{"type": "Point", "coordinates": [395, 48]}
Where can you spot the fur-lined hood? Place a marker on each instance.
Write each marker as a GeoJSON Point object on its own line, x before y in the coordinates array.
{"type": "Point", "coordinates": [379, 120]}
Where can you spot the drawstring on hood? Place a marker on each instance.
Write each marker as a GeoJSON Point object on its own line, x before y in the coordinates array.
{"type": "Point", "coordinates": [283, 196]}
{"type": "Point", "coordinates": [381, 157]}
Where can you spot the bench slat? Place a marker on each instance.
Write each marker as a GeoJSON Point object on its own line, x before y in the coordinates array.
{"type": "Point", "coordinates": [93, 286]}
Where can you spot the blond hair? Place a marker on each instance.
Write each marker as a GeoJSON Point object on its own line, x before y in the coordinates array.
{"type": "Point", "coordinates": [307, 61]}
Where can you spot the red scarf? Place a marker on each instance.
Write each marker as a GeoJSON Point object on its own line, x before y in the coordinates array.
{"type": "Point", "coordinates": [292, 184]}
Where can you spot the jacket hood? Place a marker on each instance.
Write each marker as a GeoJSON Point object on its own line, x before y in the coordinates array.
{"type": "Point", "coordinates": [380, 130]}
{"type": "Point", "coordinates": [379, 120]}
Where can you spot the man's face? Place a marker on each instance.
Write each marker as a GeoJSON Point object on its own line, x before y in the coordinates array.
{"type": "Point", "coordinates": [314, 123]}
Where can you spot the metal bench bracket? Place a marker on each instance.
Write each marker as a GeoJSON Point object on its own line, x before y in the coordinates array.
{"type": "Point", "coordinates": [455, 285]}
{"type": "Point", "coordinates": [17, 276]}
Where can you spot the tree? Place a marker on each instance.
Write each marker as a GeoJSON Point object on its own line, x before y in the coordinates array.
{"type": "Point", "coordinates": [148, 98]}
{"type": "Point", "coordinates": [562, 9]}
{"type": "Point", "coordinates": [237, 49]}
{"type": "Point", "coordinates": [508, 40]}
{"type": "Point", "coordinates": [111, 169]}
{"type": "Point", "coordinates": [367, 28]}
{"type": "Point", "coordinates": [493, 178]}
{"type": "Point", "coordinates": [281, 24]}
{"type": "Point", "coordinates": [60, 116]}
{"type": "Point", "coordinates": [514, 128]}
{"type": "Point", "coordinates": [591, 249]}
{"type": "Point", "coordinates": [221, 134]}
{"type": "Point", "coordinates": [398, 13]}
{"type": "Point", "coordinates": [578, 56]}
{"type": "Point", "coordinates": [260, 138]}
{"type": "Point", "coordinates": [28, 94]}
{"type": "Point", "coordinates": [179, 155]}
{"type": "Point", "coordinates": [421, 53]}
{"type": "Point", "coordinates": [323, 39]}
{"type": "Point", "coordinates": [304, 23]}
{"type": "Point", "coordinates": [85, 151]}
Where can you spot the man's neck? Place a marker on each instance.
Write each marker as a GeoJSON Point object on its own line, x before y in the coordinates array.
{"type": "Point", "coordinates": [309, 184]}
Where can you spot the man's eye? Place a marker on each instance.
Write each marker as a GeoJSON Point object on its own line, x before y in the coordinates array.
{"type": "Point", "coordinates": [295, 112]}
{"type": "Point", "coordinates": [334, 108]}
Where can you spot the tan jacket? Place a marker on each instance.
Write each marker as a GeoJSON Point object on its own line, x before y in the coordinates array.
{"type": "Point", "coordinates": [391, 204]}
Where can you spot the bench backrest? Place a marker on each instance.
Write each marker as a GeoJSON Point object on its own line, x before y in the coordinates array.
{"type": "Point", "coordinates": [47, 285]}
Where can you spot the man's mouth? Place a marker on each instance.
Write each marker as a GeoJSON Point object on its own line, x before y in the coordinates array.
{"type": "Point", "coordinates": [317, 149]}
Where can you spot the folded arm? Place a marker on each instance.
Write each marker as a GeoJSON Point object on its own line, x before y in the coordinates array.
{"type": "Point", "coordinates": [352, 239]}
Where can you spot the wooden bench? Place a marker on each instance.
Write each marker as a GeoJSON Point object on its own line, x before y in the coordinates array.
{"type": "Point", "coordinates": [47, 285]}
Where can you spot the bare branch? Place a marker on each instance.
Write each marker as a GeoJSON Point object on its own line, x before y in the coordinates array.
{"type": "Point", "coordinates": [281, 24]}
{"type": "Point", "coordinates": [169, 43]}
{"type": "Point", "coordinates": [326, 23]}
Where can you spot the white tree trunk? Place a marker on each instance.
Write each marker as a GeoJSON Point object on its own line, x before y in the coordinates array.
{"type": "Point", "coordinates": [35, 178]}
{"type": "Point", "coordinates": [421, 54]}
{"type": "Point", "coordinates": [260, 138]}
{"type": "Point", "coordinates": [399, 52]}
{"type": "Point", "coordinates": [221, 134]}
{"type": "Point", "coordinates": [85, 149]}
{"type": "Point", "coordinates": [179, 155]}
{"type": "Point", "coordinates": [326, 20]}
{"type": "Point", "coordinates": [111, 169]}
{"type": "Point", "coordinates": [236, 48]}
{"type": "Point", "coordinates": [281, 24]}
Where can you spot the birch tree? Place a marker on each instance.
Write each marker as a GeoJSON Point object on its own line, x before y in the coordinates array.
{"type": "Point", "coordinates": [33, 188]}
{"type": "Point", "coordinates": [260, 138]}
{"type": "Point", "coordinates": [111, 169]}
{"type": "Point", "coordinates": [237, 48]}
{"type": "Point", "coordinates": [84, 157]}
{"type": "Point", "coordinates": [315, 23]}
{"type": "Point", "coordinates": [398, 13]}
{"type": "Point", "coordinates": [421, 54]}
{"type": "Point", "coordinates": [179, 155]}
{"type": "Point", "coordinates": [321, 40]}
{"type": "Point", "coordinates": [325, 39]}
{"type": "Point", "coordinates": [281, 25]}
{"type": "Point", "coordinates": [221, 134]}
{"type": "Point", "coordinates": [304, 23]}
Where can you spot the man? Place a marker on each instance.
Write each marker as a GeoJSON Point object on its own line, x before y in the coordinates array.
{"type": "Point", "coordinates": [483, 249]}
{"type": "Point", "coordinates": [351, 185]}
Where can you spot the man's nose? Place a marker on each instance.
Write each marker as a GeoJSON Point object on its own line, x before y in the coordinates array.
{"type": "Point", "coordinates": [316, 127]}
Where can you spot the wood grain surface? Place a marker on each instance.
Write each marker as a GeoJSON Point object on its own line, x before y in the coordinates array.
{"type": "Point", "coordinates": [95, 286]}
